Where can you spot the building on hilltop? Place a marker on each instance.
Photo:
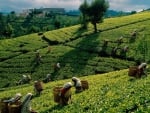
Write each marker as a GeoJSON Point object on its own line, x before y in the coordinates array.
{"type": "Point", "coordinates": [54, 10]}
{"type": "Point", "coordinates": [42, 11]}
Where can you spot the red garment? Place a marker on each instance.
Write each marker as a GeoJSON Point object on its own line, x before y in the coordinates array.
{"type": "Point", "coordinates": [63, 91]}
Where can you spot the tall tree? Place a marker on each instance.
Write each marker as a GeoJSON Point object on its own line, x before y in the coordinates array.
{"type": "Point", "coordinates": [2, 24]}
{"type": "Point", "coordinates": [57, 24]}
{"type": "Point", "coordinates": [8, 30]}
{"type": "Point", "coordinates": [13, 15]}
{"type": "Point", "coordinates": [95, 11]}
{"type": "Point", "coordinates": [84, 10]}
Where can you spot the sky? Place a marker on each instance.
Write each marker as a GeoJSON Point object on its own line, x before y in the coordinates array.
{"type": "Point", "coordinates": [118, 5]}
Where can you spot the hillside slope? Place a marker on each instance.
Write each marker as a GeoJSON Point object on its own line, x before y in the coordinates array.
{"type": "Point", "coordinates": [113, 92]}
{"type": "Point", "coordinates": [80, 52]}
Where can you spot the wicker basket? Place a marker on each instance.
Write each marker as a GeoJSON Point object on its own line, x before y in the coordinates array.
{"type": "Point", "coordinates": [32, 111]}
{"type": "Point", "coordinates": [66, 98]}
{"type": "Point", "coordinates": [85, 84]}
{"type": "Point", "coordinates": [68, 93]}
{"type": "Point", "coordinates": [15, 107]}
{"type": "Point", "coordinates": [3, 106]}
{"type": "Point", "coordinates": [133, 71]}
{"type": "Point", "coordinates": [38, 85]}
{"type": "Point", "coordinates": [56, 92]}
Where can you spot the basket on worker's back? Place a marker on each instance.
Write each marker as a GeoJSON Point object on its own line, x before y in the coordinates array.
{"type": "Point", "coordinates": [38, 85]}
{"type": "Point", "coordinates": [4, 105]}
{"type": "Point", "coordinates": [15, 107]}
{"type": "Point", "coordinates": [56, 93]}
{"type": "Point", "coordinates": [133, 71]}
{"type": "Point", "coordinates": [85, 84]}
{"type": "Point", "coordinates": [68, 93]}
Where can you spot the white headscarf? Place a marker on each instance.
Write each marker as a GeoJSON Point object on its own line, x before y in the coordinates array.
{"type": "Point", "coordinates": [75, 79]}
{"type": "Point", "coordinates": [67, 85]}
{"type": "Point", "coordinates": [15, 98]}
{"type": "Point", "coordinates": [78, 82]}
{"type": "Point", "coordinates": [48, 75]}
{"type": "Point", "coordinates": [58, 65]}
{"type": "Point", "coordinates": [24, 76]}
{"type": "Point", "coordinates": [142, 65]}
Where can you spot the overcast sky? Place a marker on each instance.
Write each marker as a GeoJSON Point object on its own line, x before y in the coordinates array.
{"type": "Point", "coordinates": [119, 5]}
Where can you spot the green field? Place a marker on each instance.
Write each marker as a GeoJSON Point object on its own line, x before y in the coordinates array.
{"type": "Point", "coordinates": [113, 92]}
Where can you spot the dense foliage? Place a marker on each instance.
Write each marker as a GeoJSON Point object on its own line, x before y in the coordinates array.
{"type": "Point", "coordinates": [94, 12]}
{"type": "Point", "coordinates": [11, 23]}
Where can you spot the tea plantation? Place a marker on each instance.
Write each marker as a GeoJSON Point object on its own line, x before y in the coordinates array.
{"type": "Point", "coordinates": [113, 92]}
{"type": "Point", "coordinates": [80, 52]}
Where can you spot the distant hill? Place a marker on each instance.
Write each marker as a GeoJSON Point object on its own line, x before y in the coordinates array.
{"type": "Point", "coordinates": [109, 13]}
{"type": "Point", "coordinates": [73, 13]}
{"type": "Point", "coordinates": [113, 13]}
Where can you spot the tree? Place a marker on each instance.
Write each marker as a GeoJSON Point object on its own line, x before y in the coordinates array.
{"type": "Point", "coordinates": [57, 24]}
{"type": "Point", "coordinates": [2, 24]}
{"type": "Point", "coordinates": [13, 15]}
{"type": "Point", "coordinates": [133, 12]}
{"type": "Point", "coordinates": [84, 17]}
{"type": "Point", "coordinates": [95, 11]}
{"type": "Point", "coordinates": [33, 29]}
{"type": "Point", "coordinates": [8, 30]}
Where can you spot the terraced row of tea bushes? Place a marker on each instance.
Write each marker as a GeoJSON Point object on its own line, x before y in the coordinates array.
{"type": "Point", "coordinates": [110, 93]}
{"type": "Point", "coordinates": [124, 20]}
{"type": "Point", "coordinates": [65, 34]}
{"type": "Point", "coordinates": [12, 69]}
{"type": "Point", "coordinates": [95, 43]}
{"type": "Point", "coordinates": [73, 63]}
{"type": "Point", "coordinates": [20, 45]}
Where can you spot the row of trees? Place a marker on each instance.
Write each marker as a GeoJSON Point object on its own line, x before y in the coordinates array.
{"type": "Point", "coordinates": [93, 12]}
{"type": "Point", "coordinates": [5, 27]}
{"type": "Point", "coordinates": [12, 25]}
